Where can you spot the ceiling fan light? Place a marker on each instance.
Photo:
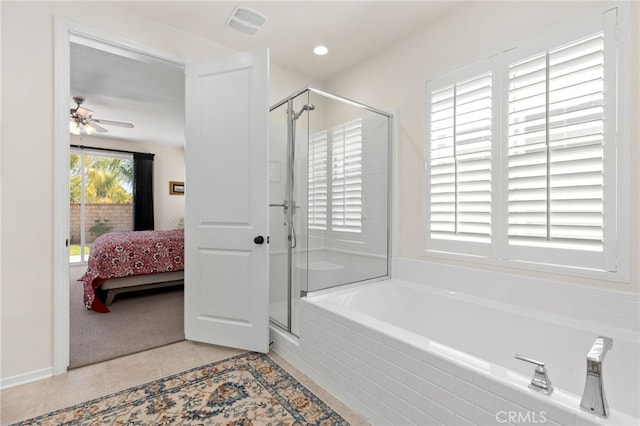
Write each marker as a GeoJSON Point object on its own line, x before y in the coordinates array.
{"type": "Point", "coordinates": [74, 128]}
{"type": "Point", "coordinates": [88, 129]}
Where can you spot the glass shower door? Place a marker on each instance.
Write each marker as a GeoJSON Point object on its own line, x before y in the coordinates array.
{"type": "Point", "coordinates": [303, 114]}
{"type": "Point", "coordinates": [288, 180]}
{"type": "Point", "coordinates": [348, 193]}
{"type": "Point", "coordinates": [329, 198]}
{"type": "Point", "coordinates": [278, 244]}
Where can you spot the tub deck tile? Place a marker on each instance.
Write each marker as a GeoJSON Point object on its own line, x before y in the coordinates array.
{"type": "Point", "coordinates": [455, 403]}
{"type": "Point", "coordinates": [418, 417]}
{"type": "Point", "coordinates": [540, 403]}
{"type": "Point", "coordinates": [438, 377]}
{"type": "Point", "coordinates": [422, 386]}
{"type": "Point", "coordinates": [458, 370]}
{"type": "Point", "coordinates": [505, 406]}
{"type": "Point", "coordinates": [496, 387]}
{"type": "Point", "coordinates": [485, 418]}
{"type": "Point", "coordinates": [461, 421]}
{"type": "Point", "coordinates": [475, 395]}
{"type": "Point", "coordinates": [440, 413]}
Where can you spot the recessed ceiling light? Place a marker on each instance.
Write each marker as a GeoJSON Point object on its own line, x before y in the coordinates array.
{"type": "Point", "coordinates": [320, 50]}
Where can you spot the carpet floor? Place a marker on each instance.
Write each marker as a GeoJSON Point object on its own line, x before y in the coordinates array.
{"type": "Point", "coordinates": [138, 321]}
{"type": "Point", "coordinates": [245, 389]}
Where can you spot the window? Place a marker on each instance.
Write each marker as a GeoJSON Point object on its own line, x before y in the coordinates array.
{"type": "Point", "coordinates": [460, 166]}
{"type": "Point", "coordinates": [555, 147]}
{"type": "Point", "coordinates": [318, 180]}
{"type": "Point", "coordinates": [521, 153]}
{"type": "Point", "coordinates": [337, 202]}
{"type": "Point", "coordinates": [100, 197]}
{"type": "Point", "coordinates": [346, 177]}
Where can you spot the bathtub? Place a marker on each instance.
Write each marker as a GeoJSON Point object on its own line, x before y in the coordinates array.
{"type": "Point", "coordinates": [400, 352]}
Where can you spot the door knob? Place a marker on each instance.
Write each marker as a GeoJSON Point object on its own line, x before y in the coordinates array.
{"type": "Point", "coordinates": [259, 239]}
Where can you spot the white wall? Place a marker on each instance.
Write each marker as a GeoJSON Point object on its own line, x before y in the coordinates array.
{"type": "Point", "coordinates": [168, 165]}
{"type": "Point", "coordinates": [395, 78]}
{"type": "Point", "coordinates": [27, 158]}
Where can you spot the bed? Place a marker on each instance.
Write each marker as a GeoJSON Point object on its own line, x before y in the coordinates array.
{"type": "Point", "coordinates": [129, 261]}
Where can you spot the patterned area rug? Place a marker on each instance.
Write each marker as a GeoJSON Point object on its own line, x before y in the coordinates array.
{"type": "Point", "coordinates": [246, 389]}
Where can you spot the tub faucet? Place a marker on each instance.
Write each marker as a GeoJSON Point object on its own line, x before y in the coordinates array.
{"type": "Point", "coordinates": [540, 382]}
{"type": "Point", "coordinates": [593, 397]}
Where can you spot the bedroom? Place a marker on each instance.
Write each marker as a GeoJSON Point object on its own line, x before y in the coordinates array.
{"type": "Point", "coordinates": [27, 310]}
{"type": "Point", "coordinates": [118, 84]}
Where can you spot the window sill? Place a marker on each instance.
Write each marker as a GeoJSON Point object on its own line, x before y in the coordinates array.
{"type": "Point", "coordinates": [619, 276]}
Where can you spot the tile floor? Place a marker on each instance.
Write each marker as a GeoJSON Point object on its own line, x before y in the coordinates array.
{"type": "Point", "coordinates": [96, 380]}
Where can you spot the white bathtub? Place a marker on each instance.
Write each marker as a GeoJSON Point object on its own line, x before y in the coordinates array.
{"type": "Point", "coordinates": [408, 353]}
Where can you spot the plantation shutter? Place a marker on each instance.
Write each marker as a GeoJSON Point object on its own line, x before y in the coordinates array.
{"type": "Point", "coordinates": [560, 160]}
{"type": "Point", "coordinates": [460, 160]}
{"type": "Point", "coordinates": [555, 147]}
{"type": "Point", "coordinates": [346, 177]}
{"type": "Point", "coordinates": [318, 180]}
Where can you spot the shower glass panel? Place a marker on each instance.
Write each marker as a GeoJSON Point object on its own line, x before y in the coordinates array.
{"type": "Point", "coordinates": [329, 197]}
{"type": "Point", "coordinates": [278, 244]}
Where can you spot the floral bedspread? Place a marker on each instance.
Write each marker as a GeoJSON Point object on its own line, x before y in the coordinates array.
{"type": "Point", "coordinates": [123, 254]}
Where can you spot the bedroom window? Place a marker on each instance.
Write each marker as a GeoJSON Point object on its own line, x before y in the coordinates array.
{"type": "Point", "coordinates": [101, 198]}
{"type": "Point", "coordinates": [522, 157]}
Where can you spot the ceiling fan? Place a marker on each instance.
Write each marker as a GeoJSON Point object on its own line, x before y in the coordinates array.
{"type": "Point", "coordinates": [82, 121]}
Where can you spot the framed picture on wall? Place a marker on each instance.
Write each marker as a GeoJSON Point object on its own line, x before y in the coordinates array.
{"type": "Point", "coordinates": [176, 188]}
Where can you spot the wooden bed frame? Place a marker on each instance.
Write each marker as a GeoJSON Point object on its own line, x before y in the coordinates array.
{"type": "Point", "coordinates": [115, 286]}
{"type": "Point", "coordinates": [136, 260]}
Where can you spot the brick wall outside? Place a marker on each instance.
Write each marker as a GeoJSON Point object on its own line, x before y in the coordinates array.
{"type": "Point", "coordinates": [120, 217]}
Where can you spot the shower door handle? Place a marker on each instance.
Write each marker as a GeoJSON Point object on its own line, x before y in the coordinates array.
{"type": "Point", "coordinates": [284, 205]}
{"type": "Point", "coordinates": [259, 239]}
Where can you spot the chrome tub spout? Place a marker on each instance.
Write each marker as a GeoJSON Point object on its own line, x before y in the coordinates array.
{"type": "Point", "coordinates": [594, 399]}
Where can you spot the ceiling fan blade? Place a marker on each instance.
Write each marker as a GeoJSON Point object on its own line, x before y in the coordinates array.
{"type": "Point", "coordinates": [112, 123]}
{"type": "Point", "coordinates": [99, 129]}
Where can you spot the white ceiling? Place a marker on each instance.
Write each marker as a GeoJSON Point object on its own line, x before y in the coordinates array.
{"type": "Point", "coordinates": [147, 93]}
{"type": "Point", "coordinates": [151, 95]}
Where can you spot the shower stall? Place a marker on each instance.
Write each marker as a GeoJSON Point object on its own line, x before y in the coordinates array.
{"type": "Point", "coordinates": [329, 197]}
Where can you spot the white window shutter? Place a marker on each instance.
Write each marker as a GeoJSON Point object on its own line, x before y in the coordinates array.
{"type": "Point", "coordinates": [346, 177]}
{"type": "Point", "coordinates": [555, 147]}
{"type": "Point", "coordinates": [317, 170]}
{"type": "Point", "coordinates": [560, 161]}
{"type": "Point", "coordinates": [460, 160]}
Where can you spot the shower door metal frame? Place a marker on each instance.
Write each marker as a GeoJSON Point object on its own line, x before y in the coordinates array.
{"type": "Point", "coordinates": [289, 203]}
{"type": "Point", "coordinates": [291, 140]}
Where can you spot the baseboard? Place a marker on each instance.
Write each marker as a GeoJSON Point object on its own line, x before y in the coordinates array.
{"type": "Point", "coordinates": [23, 379]}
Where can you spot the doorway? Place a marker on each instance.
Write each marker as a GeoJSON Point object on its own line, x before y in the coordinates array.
{"type": "Point", "coordinates": [68, 34]}
{"type": "Point", "coordinates": [216, 311]}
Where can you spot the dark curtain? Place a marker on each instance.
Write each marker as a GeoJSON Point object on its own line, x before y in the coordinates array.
{"type": "Point", "coordinates": [142, 191]}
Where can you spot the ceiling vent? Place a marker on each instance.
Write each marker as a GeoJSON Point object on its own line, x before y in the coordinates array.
{"type": "Point", "coordinates": [246, 20]}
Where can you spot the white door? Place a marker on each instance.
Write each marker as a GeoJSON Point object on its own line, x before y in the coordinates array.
{"type": "Point", "coordinates": [226, 265]}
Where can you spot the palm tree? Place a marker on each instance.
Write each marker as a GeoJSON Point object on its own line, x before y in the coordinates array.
{"type": "Point", "coordinates": [75, 178]}
{"type": "Point", "coordinates": [108, 180]}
